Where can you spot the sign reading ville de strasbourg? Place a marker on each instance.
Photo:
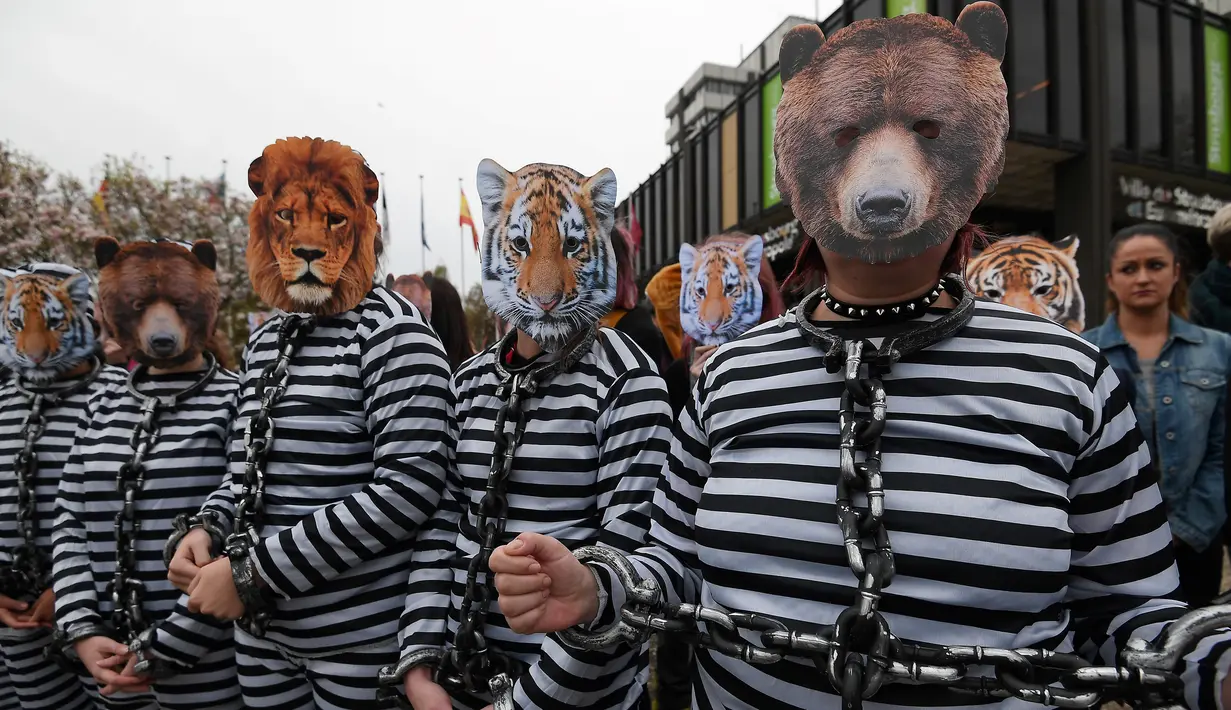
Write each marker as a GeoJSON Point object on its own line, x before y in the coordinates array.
{"type": "Point", "coordinates": [1147, 202]}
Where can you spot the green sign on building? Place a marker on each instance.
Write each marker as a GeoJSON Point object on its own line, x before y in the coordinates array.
{"type": "Point", "coordinates": [1217, 101]}
{"type": "Point", "coordinates": [771, 94]}
{"type": "Point", "coordinates": [893, 8]}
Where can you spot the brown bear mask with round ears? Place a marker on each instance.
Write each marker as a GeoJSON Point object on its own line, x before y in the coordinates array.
{"type": "Point", "coordinates": [314, 239]}
{"type": "Point", "coordinates": [159, 300]}
{"type": "Point", "coordinates": [891, 131]}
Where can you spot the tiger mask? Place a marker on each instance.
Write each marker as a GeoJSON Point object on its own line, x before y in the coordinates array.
{"type": "Point", "coordinates": [720, 294]}
{"type": "Point", "coordinates": [1033, 275]}
{"type": "Point", "coordinates": [47, 328]}
{"type": "Point", "coordinates": [548, 266]}
{"type": "Point", "coordinates": [313, 233]}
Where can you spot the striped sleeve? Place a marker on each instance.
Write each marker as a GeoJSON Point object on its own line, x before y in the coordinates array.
{"type": "Point", "coordinates": [634, 437]}
{"type": "Point", "coordinates": [221, 503]}
{"type": "Point", "coordinates": [1123, 581]}
{"type": "Point", "coordinates": [425, 620]}
{"type": "Point", "coordinates": [71, 577]}
{"type": "Point", "coordinates": [405, 377]}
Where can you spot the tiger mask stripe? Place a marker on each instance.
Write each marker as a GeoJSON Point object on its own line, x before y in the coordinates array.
{"type": "Point", "coordinates": [1033, 275]}
{"type": "Point", "coordinates": [720, 293]}
{"type": "Point", "coordinates": [46, 329]}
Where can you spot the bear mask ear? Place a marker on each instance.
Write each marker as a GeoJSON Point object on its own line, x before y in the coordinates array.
{"type": "Point", "coordinates": [204, 250]}
{"type": "Point", "coordinates": [798, 46]}
{"type": "Point", "coordinates": [256, 176]}
{"type": "Point", "coordinates": [984, 23]}
{"type": "Point", "coordinates": [105, 249]}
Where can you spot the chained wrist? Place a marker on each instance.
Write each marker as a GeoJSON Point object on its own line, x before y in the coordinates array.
{"type": "Point", "coordinates": [148, 661]}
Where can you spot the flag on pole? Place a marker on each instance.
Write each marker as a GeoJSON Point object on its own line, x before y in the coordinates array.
{"type": "Point", "coordinates": [466, 219]}
{"type": "Point", "coordinates": [634, 227]}
{"type": "Point", "coordinates": [100, 197]}
{"type": "Point", "coordinates": [422, 220]}
{"type": "Point", "coordinates": [218, 194]}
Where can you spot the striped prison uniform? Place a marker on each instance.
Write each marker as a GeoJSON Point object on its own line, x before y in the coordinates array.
{"type": "Point", "coordinates": [357, 465]}
{"type": "Point", "coordinates": [185, 464]}
{"type": "Point", "coordinates": [1020, 505]}
{"type": "Point", "coordinates": [39, 683]}
{"type": "Point", "coordinates": [595, 441]}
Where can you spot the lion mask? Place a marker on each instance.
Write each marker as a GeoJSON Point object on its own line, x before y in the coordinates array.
{"type": "Point", "coordinates": [313, 234]}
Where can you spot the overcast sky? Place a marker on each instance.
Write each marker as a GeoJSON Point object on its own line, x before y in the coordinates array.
{"type": "Point", "coordinates": [581, 83]}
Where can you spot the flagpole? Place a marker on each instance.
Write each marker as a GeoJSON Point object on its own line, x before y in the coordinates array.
{"type": "Point", "coordinates": [461, 240]}
{"type": "Point", "coordinates": [422, 228]}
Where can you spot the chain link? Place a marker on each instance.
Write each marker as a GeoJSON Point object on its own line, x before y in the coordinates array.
{"type": "Point", "coordinates": [471, 665]}
{"type": "Point", "coordinates": [258, 442]}
{"type": "Point", "coordinates": [29, 572]}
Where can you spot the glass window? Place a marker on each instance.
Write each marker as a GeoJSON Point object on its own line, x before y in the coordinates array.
{"type": "Point", "coordinates": [671, 228]}
{"type": "Point", "coordinates": [713, 182]}
{"type": "Point", "coordinates": [1028, 45]}
{"type": "Point", "coordinates": [656, 208]}
{"type": "Point", "coordinates": [1117, 76]}
{"type": "Point", "coordinates": [1182, 89]}
{"type": "Point", "coordinates": [699, 197]}
{"type": "Point", "coordinates": [947, 9]}
{"type": "Point", "coordinates": [750, 120]}
{"type": "Point", "coordinates": [1069, 70]}
{"type": "Point", "coordinates": [1149, 108]}
{"type": "Point", "coordinates": [868, 9]}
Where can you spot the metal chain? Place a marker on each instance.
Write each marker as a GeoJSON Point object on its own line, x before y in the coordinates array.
{"type": "Point", "coordinates": [258, 441]}
{"type": "Point", "coordinates": [29, 571]}
{"type": "Point", "coordinates": [858, 653]}
{"type": "Point", "coordinates": [126, 589]}
{"type": "Point", "coordinates": [471, 665]}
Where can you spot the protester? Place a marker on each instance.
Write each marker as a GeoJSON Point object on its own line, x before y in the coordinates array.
{"type": "Point", "coordinates": [627, 315]}
{"type": "Point", "coordinates": [448, 319]}
{"type": "Point", "coordinates": [895, 462]}
{"type": "Point", "coordinates": [414, 289]}
{"type": "Point", "coordinates": [1210, 293]}
{"type": "Point", "coordinates": [1179, 371]}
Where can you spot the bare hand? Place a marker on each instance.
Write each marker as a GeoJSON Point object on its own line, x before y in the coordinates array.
{"type": "Point", "coordinates": [700, 355]}
{"type": "Point", "coordinates": [44, 610]}
{"type": "Point", "coordinates": [213, 592]}
{"type": "Point", "coordinates": [11, 614]}
{"type": "Point", "coordinates": [423, 692]}
{"type": "Point", "coordinates": [127, 680]}
{"type": "Point", "coordinates": [192, 555]}
{"type": "Point", "coordinates": [543, 587]}
{"type": "Point", "coordinates": [94, 650]}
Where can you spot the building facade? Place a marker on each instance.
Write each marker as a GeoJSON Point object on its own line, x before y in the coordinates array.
{"type": "Point", "coordinates": [1120, 113]}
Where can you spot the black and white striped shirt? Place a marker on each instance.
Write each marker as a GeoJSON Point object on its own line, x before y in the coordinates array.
{"type": "Point", "coordinates": [358, 463]}
{"type": "Point", "coordinates": [595, 441]}
{"type": "Point", "coordinates": [52, 449]}
{"type": "Point", "coordinates": [183, 467]}
{"type": "Point", "coordinates": [1019, 502]}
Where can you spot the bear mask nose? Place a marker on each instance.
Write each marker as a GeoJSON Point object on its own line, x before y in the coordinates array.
{"type": "Point", "coordinates": [163, 344]}
{"type": "Point", "coordinates": [308, 255]}
{"type": "Point", "coordinates": [883, 208]}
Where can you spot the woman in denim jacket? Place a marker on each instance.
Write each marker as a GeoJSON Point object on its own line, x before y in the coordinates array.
{"type": "Point", "coordinates": [1179, 372]}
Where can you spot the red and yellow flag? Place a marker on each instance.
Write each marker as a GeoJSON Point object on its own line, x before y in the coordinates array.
{"type": "Point", "coordinates": [100, 197]}
{"type": "Point", "coordinates": [465, 219]}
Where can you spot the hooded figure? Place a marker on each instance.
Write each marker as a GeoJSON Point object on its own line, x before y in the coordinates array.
{"type": "Point", "coordinates": [581, 425]}
{"type": "Point", "coordinates": [49, 345]}
{"type": "Point", "coordinates": [876, 495]}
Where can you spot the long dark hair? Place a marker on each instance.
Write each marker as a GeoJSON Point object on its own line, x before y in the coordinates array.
{"type": "Point", "coordinates": [1177, 302]}
{"type": "Point", "coordinates": [449, 321]}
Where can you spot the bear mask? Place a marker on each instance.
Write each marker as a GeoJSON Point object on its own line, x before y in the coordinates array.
{"type": "Point", "coordinates": [158, 299]}
{"type": "Point", "coordinates": [891, 131]}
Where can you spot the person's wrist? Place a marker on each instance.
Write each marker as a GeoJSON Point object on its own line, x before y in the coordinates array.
{"type": "Point", "coordinates": [590, 595]}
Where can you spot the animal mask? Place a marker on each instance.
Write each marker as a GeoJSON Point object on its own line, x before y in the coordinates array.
{"type": "Point", "coordinates": [891, 131]}
{"type": "Point", "coordinates": [548, 265]}
{"type": "Point", "coordinates": [1034, 275]}
{"type": "Point", "coordinates": [720, 296]}
{"type": "Point", "coordinates": [313, 235]}
{"type": "Point", "coordinates": [159, 298]}
{"type": "Point", "coordinates": [46, 326]}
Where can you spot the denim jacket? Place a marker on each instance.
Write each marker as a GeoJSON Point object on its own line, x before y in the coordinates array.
{"type": "Point", "coordinates": [1187, 431]}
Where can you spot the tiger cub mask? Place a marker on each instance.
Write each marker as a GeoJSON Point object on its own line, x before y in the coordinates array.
{"type": "Point", "coordinates": [547, 262]}
{"type": "Point", "coordinates": [1033, 275]}
{"type": "Point", "coordinates": [46, 321]}
{"type": "Point", "coordinates": [720, 295]}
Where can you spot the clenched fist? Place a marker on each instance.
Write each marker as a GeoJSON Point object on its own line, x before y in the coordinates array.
{"type": "Point", "coordinates": [543, 588]}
